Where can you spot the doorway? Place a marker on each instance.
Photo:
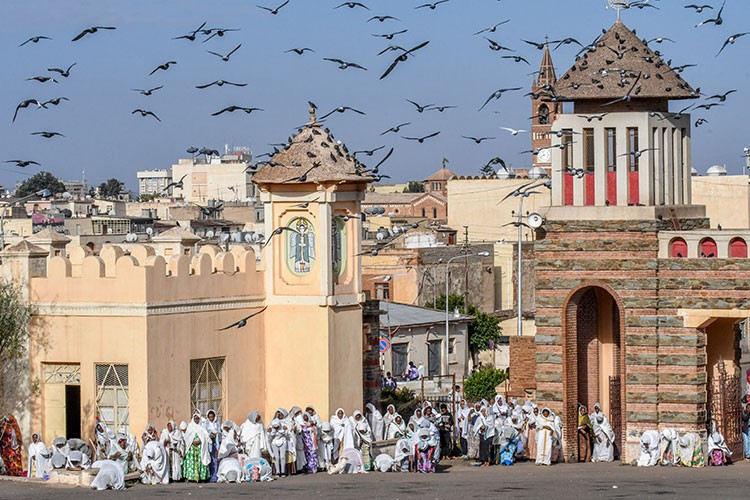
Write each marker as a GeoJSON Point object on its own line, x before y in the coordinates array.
{"type": "Point", "coordinates": [592, 369]}
{"type": "Point", "coordinates": [434, 358]}
{"type": "Point", "coordinates": [73, 411]}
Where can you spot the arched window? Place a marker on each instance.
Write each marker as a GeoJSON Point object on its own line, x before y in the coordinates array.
{"type": "Point", "coordinates": [543, 114]}
{"type": "Point", "coordinates": [708, 248]}
{"type": "Point", "coordinates": [738, 249]}
{"type": "Point", "coordinates": [678, 248]}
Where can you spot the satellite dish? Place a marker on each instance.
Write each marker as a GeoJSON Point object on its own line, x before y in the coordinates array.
{"type": "Point", "coordinates": [150, 231]}
{"type": "Point", "coordinates": [131, 237]}
{"type": "Point", "coordinates": [249, 237]}
{"type": "Point", "coordinates": [66, 195]}
{"type": "Point", "coordinates": [380, 236]}
{"type": "Point", "coordinates": [210, 234]}
{"type": "Point", "coordinates": [224, 237]}
{"type": "Point", "coordinates": [379, 210]}
{"type": "Point", "coordinates": [255, 238]}
{"type": "Point", "coordinates": [110, 230]}
{"type": "Point", "coordinates": [535, 221]}
{"type": "Point", "coordinates": [237, 237]}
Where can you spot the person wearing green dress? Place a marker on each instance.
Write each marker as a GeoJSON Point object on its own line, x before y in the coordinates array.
{"type": "Point", "coordinates": [197, 456]}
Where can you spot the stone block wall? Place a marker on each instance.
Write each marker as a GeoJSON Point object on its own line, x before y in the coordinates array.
{"type": "Point", "coordinates": [371, 355]}
{"type": "Point", "coordinates": [522, 366]}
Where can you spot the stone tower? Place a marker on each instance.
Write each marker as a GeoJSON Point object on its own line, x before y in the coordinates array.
{"type": "Point", "coordinates": [543, 111]}
{"type": "Point", "coordinates": [313, 189]}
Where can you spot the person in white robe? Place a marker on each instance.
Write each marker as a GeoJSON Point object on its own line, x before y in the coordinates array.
{"type": "Point", "coordinates": [278, 438]}
{"type": "Point", "coordinates": [109, 477]}
{"type": "Point", "coordinates": [546, 434]}
{"type": "Point", "coordinates": [500, 410]}
{"type": "Point", "coordinates": [60, 452]}
{"type": "Point", "coordinates": [300, 462]}
{"type": "Point", "coordinates": [173, 442]}
{"type": "Point", "coordinates": [689, 450]}
{"type": "Point", "coordinates": [396, 428]}
{"type": "Point", "coordinates": [669, 454]}
{"type": "Point", "coordinates": [196, 431]}
{"type": "Point", "coordinates": [604, 437]}
{"type": "Point", "coordinates": [718, 451]}
{"type": "Point", "coordinates": [350, 462]}
{"type": "Point", "coordinates": [253, 436]}
{"type": "Point", "coordinates": [155, 463]}
{"type": "Point", "coordinates": [375, 419]}
{"type": "Point", "coordinates": [325, 445]}
{"type": "Point", "coordinates": [417, 417]}
{"type": "Point", "coordinates": [383, 463]}
{"type": "Point", "coordinates": [121, 454]}
{"type": "Point", "coordinates": [39, 457]}
{"type": "Point", "coordinates": [343, 432]}
{"type": "Point", "coordinates": [649, 449]}
{"type": "Point", "coordinates": [78, 460]}
{"type": "Point", "coordinates": [388, 416]}
{"type": "Point", "coordinates": [462, 426]}
{"type": "Point", "coordinates": [230, 465]}
{"type": "Point", "coordinates": [103, 437]}
{"type": "Point", "coordinates": [229, 437]}
{"type": "Point", "coordinates": [403, 454]}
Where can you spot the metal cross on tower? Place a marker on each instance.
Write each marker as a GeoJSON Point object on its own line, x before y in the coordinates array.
{"type": "Point", "coordinates": [619, 5]}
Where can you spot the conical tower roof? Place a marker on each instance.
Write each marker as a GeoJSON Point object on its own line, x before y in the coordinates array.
{"type": "Point", "coordinates": [313, 152]}
{"type": "Point", "coordinates": [547, 75]}
{"type": "Point", "coordinates": [612, 68]}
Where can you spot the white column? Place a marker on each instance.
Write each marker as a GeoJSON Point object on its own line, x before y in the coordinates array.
{"type": "Point", "coordinates": [678, 173]}
{"type": "Point", "coordinates": [659, 175]}
{"type": "Point", "coordinates": [646, 166]}
{"type": "Point", "coordinates": [323, 251]}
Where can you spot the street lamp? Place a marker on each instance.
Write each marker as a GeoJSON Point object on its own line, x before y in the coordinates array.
{"type": "Point", "coordinates": [447, 317]}
{"type": "Point", "coordinates": [44, 193]}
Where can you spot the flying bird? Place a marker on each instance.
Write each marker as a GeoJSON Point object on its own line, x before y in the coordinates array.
{"type": "Point", "coordinates": [54, 101]}
{"type": "Point", "coordinates": [590, 118]}
{"type": "Point", "coordinates": [420, 108]}
{"type": "Point", "coordinates": [232, 109]}
{"type": "Point", "coordinates": [35, 39]}
{"type": "Point", "coordinates": [698, 8]}
{"type": "Point", "coordinates": [342, 109]}
{"type": "Point", "coordinates": [91, 31]}
{"type": "Point", "coordinates": [301, 51]}
{"type": "Point", "coordinates": [243, 322]}
{"type": "Point", "coordinates": [344, 64]}
{"type": "Point", "coordinates": [492, 29]}
{"type": "Point", "coordinates": [48, 135]}
{"type": "Point", "coordinates": [277, 232]}
{"type": "Point", "coordinates": [63, 72]}
{"type": "Point", "coordinates": [26, 104]}
{"type": "Point", "coordinates": [273, 11]}
{"type": "Point", "coordinates": [478, 140]}
{"type": "Point", "coordinates": [496, 46]}
{"type": "Point", "coordinates": [513, 131]}
{"type": "Point", "coordinates": [22, 163]}
{"type": "Point", "coordinates": [303, 177]}
{"type": "Point", "coordinates": [145, 113]}
{"type": "Point", "coordinates": [148, 92]}
{"type": "Point", "coordinates": [220, 83]}
{"type": "Point", "coordinates": [731, 40]}
{"type": "Point", "coordinates": [382, 19]}
{"type": "Point", "coordinates": [396, 129]}
{"type": "Point", "coordinates": [43, 79]}
{"type": "Point", "coordinates": [421, 139]}
{"type": "Point", "coordinates": [175, 184]}
{"type": "Point", "coordinates": [163, 67]}
{"type": "Point", "coordinates": [402, 57]}
{"type": "Point", "coordinates": [368, 152]}
{"type": "Point", "coordinates": [389, 36]}
{"type": "Point", "coordinates": [497, 95]}
{"type": "Point", "coordinates": [191, 36]}
{"type": "Point", "coordinates": [722, 97]}
{"type": "Point", "coordinates": [353, 5]}
{"type": "Point", "coordinates": [517, 59]}
{"type": "Point", "coordinates": [225, 58]}
{"type": "Point", "coordinates": [219, 32]}
{"type": "Point", "coordinates": [718, 20]}
{"type": "Point", "coordinates": [431, 6]}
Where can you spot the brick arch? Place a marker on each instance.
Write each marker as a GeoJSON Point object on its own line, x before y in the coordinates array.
{"type": "Point", "coordinates": [576, 298]}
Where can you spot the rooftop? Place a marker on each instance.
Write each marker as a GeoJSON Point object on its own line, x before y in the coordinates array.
{"type": "Point", "coordinates": [394, 314]}
{"type": "Point", "coordinates": [441, 175]}
{"type": "Point", "coordinates": [315, 154]}
{"type": "Point", "coordinates": [373, 198]}
{"type": "Point", "coordinates": [619, 62]}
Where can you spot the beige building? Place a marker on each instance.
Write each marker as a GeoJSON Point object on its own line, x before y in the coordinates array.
{"type": "Point", "coordinates": [726, 198]}
{"type": "Point", "coordinates": [149, 335]}
{"type": "Point", "coordinates": [153, 182]}
{"type": "Point", "coordinates": [223, 178]}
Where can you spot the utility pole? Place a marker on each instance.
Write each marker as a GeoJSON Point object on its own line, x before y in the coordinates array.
{"type": "Point", "coordinates": [466, 249]}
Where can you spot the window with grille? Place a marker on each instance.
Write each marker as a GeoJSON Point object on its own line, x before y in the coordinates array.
{"type": "Point", "coordinates": [112, 403]}
{"type": "Point", "coordinates": [67, 374]}
{"type": "Point", "coordinates": [589, 154]}
{"type": "Point", "coordinates": [206, 383]}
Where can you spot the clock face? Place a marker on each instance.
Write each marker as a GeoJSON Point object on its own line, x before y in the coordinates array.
{"type": "Point", "coordinates": [544, 156]}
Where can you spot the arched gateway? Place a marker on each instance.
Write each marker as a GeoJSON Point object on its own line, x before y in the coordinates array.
{"type": "Point", "coordinates": [593, 361]}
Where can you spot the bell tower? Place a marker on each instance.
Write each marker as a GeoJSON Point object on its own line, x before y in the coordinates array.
{"type": "Point", "coordinates": [312, 190]}
{"type": "Point", "coordinates": [543, 111]}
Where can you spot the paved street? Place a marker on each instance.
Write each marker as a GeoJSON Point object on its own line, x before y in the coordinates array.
{"type": "Point", "coordinates": [595, 481]}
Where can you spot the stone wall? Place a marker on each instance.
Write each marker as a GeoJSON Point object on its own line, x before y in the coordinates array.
{"type": "Point", "coordinates": [662, 361]}
{"type": "Point", "coordinates": [522, 366]}
{"type": "Point", "coordinates": [371, 355]}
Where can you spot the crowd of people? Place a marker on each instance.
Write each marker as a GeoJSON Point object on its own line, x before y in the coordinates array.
{"type": "Point", "coordinates": [299, 441]}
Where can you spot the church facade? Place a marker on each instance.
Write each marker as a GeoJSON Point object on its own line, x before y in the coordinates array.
{"type": "Point", "coordinates": [627, 315]}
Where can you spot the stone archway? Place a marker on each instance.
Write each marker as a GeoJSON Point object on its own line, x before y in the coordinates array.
{"type": "Point", "coordinates": [593, 361]}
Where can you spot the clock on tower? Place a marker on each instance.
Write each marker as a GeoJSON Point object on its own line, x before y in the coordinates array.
{"type": "Point", "coordinates": [544, 112]}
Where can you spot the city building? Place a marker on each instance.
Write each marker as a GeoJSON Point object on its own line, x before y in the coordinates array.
{"type": "Point", "coordinates": [153, 182]}
{"type": "Point", "coordinates": [430, 206]}
{"type": "Point", "coordinates": [214, 178]}
{"type": "Point", "coordinates": [437, 183]}
{"type": "Point", "coordinates": [637, 300]}
{"type": "Point", "coordinates": [151, 333]}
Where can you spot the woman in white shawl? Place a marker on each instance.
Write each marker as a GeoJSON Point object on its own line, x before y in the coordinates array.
{"type": "Point", "coordinates": [500, 410]}
{"type": "Point", "coordinates": [718, 451]}
{"type": "Point", "coordinates": [325, 446]}
{"type": "Point", "coordinates": [546, 434]}
{"type": "Point", "coordinates": [417, 417]}
{"type": "Point", "coordinates": [109, 477]}
{"type": "Point", "coordinates": [485, 430]}
{"type": "Point", "coordinates": [253, 436]}
{"type": "Point", "coordinates": [669, 454]}
{"type": "Point", "coordinates": [229, 439]}
{"type": "Point", "coordinates": [154, 464]}
{"type": "Point", "coordinates": [39, 457]}
{"type": "Point", "coordinates": [195, 467]}
{"type": "Point", "coordinates": [299, 447]}
{"type": "Point", "coordinates": [213, 428]}
{"type": "Point", "coordinates": [363, 443]}
{"type": "Point", "coordinates": [388, 417]}
{"type": "Point", "coordinates": [396, 428]}
{"type": "Point", "coordinates": [103, 439]}
{"type": "Point", "coordinates": [649, 449]}
{"type": "Point", "coordinates": [604, 437]}
{"type": "Point", "coordinates": [343, 437]}
{"type": "Point", "coordinates": [278, 439]}
{"type": "Point", "coordinates": [690, 450]}
{"type": "Point", "coordinates": [375, 419]}
{"type": "Point", "coordinates": [462, 426]}
{"type": "Point", "coordinates": [403, 454]}
{"type": "Point", "coordinates": [173, 442]}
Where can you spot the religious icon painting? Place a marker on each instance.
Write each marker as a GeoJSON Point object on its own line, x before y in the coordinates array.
{"type": "Point", "coordinates": [301, 246]}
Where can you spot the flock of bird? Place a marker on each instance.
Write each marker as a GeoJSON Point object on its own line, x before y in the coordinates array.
{"type": "Point", "coordinates": [402, 54]}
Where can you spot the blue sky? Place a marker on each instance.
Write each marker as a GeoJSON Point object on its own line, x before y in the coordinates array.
{"type": "Point", "coordinates": [457, 69]}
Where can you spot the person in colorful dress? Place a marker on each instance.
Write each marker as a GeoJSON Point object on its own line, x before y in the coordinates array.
{"type": "Point", "coordinates": [309, 433]}
{"type": "Point", "coordinates": [195, 467]}
{"type": "Point", "coordinates": [11, 446]}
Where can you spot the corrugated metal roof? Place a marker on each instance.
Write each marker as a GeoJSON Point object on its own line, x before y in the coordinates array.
{"type": "Point", "coordinates": [395, 314]}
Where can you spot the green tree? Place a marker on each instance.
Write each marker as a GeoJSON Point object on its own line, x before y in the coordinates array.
{"type": "Point", "coordinates": [414, 187]}
{"type": "Point", "coordinates": [484, 330]}
{"type": "Point", "coordinates": [482, 384]}
{"type": "Point", "coordinates": [111, 188]}
{"type": "Point", "coordinates": [15, 316]}
{"type": "Point", "coordinates": [38, 182]}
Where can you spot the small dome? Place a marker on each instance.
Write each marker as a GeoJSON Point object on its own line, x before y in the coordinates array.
{"type": "Point", "coordinates": [505, 174]}
{"type": "Point", "coordinates": [537, 173]}
{"type": "Point", "coordinates": [716, 171]}
{"type": "Point", "coordinates": [694, 172]}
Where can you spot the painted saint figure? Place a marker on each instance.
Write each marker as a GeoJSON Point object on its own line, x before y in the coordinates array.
{"type": "Point", "coordinates": [302, 246]}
